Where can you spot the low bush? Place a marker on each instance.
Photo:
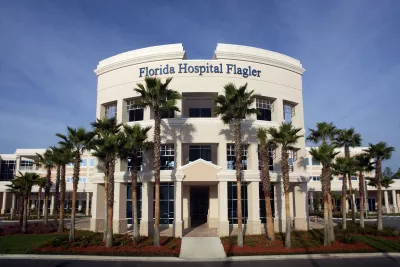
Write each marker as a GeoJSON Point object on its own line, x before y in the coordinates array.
{"type": "Point", "coordinates": [369, 229]}
{"type": "Point", "coordinates": [32, 228]}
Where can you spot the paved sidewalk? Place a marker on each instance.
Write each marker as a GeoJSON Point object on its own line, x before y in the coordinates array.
{"type": "Point", "coordinates": [202, 248]}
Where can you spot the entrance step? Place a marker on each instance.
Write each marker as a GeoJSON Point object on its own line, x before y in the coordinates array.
{"type": "Point", "coordinates": [200, 248]}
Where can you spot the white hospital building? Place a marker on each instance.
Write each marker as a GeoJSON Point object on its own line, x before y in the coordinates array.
{"type": "Point", "coordinates": [198, 184]}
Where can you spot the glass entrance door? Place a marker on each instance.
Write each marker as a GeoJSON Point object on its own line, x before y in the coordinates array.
{"type": "Point", "coordinates": [199, 204]}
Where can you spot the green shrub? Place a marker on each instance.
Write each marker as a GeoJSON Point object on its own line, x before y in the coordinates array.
{"type": "Point", "coordinates": [348, 239]}
{"type": "Point", "coordinates": [60, 241]}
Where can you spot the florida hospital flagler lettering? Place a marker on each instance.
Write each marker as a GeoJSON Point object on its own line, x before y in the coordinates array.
{"type": "Point", "coordinates": [197, 155]}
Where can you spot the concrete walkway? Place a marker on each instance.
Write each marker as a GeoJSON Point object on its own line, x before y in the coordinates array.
{"type": "Point", "coordinates": [202, 248]}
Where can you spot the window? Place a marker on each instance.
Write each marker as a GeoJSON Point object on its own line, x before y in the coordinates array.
{"type": "Point", "coordinates": [166, 203]}
{"type": "Point", "coordinates": [340, 178]}
{"type": "Point", "coordinates": [271, 156]}
{"type": "Point", "coordinates": [71, 180]}
{"type": "Point", "coordinates": [288, 112]}
{"type": "Point", "coordinates": [83, 163]}
{"type": "Point", "coordinates": [231, 159]}
{"type": "Point", "coordinates": [7, 168]}
{"type": "Point", "coordinates": [71, 164]}
{"type": "Point", "coordinates": [263, 215]}
{"type": "Point", "coordinates": [316, 178]}
{"type": "Point", "coordinates": [26, 165]}
{"type": "Point", "coordinates": [264, 106]}
{"type": "Point", "coordinates": [91, 162]}
{"type": "Point", "coordinates": [354, 178]}
{"type": "Point", "coordinates": [199, 112]}
{"type": "Point", "coordinates": [82, 179]}
{"type": "Point", "coordinates": [167, 157]}
{"type": "Point", "coordinates": [139, 164]}
{"type": "Point", "coordinates": [232, 203]}
{"type": "Point", "coordinates": [135, 114]}
{"type": "Point", "coordinates": [110, 111]}
{"type": "Point", "coordinates": [200, 152]}
{"type": "Point", "coordinates": [167, 114]}
{"type": "Point", "coordinates": [291, 164]}
{"type": "Point", "coordinates": [315, 162]}
{"type": "Point", "coordinates": [129, 209]}
{"type": "Point", "coordinates": [307, 162]}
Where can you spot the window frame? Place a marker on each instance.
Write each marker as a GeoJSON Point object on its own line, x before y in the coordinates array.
{"type": "Point", "coordinates": [108, 111]}
{"type": "Point", "coordinates": [231, 158]}
{"type": "Point", "coordinates": [167, 151]}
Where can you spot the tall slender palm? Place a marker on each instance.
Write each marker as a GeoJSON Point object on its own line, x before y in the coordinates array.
{"type": "Point", "coordinates": [287, 137]}
{"type": "Point", "coordinates": [234, 106]}
{"type": "Point", "coordinates": [23, 184]}
{"type": "Point", "coordinates": [78, 140]}
{"type": "Point", "coordinates": [159, 98]}
{"type": "Point", "coordinates": [47, 161]}
{"type": "Point", "coordinates": [105, 150]}
{"type": "Point", "coordinates": [41, 182]}
{"type": "Point", "coordinates": [363, 165]}
{"type": "Point", "coordinates": [345, 167]}
{"type": "Point", "coordinates": [265, 178]}
{"type": "Point", "coordinates": [325, 132]}
{"type": "Point", "coordinates": [56, 161]}
{"type": "Point", "coordinates": [135, 141]}
{"type": "Point", "coordinates": [325, 154]}
{"type": "Point", "coordinates": [379, 152]}
{"type": "Point", "coordinates": [347, 138]}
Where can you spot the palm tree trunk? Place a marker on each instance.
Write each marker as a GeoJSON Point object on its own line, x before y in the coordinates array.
{"type": "Point", "coordinates": [362, 195]}
{"type": "Point", "coordinates": [62, 199]}
{"type": "Point", "coordinates": [378, 174]}
{"type": "Point", "coordinates": [106, 181]}
{"type": "Point", "coordinates": [270, 220]}
{"type": "Point", "coordinates": [46, 200]}
{"type": "Point", "coordinates": [286, 184]}
{"type": "Point", "coordinates": [25, 215]}
{"type": "Point", "coordinates": [38, 201]}
{"type": "Point", "coordinates": [157, 142]}
{"type": "Point", "coordinates": [238, 169]}
{"type": "Point", "coordinates": [325, 187]}
{"type": "Point", "coordinates": [110, 205]}
{"type": "Point", "coordinates": [134, 197]}
{"type": "Point", "coordinates": [20, 210]}
{"type": "Point", "coordinates": [29, 208]}
{"type": "Point", "coordinates": [266, 185]}
{"type": "Point", "coordinates": [46, 196]}
{"type": "Point", "coordinates": [74, 191]}
{"type": "Point", "coordinates": [330, 216]}
{"type": "Point", "coordinates": [57, 195]}
{"type": "Point", "coordinates": [353, 214]}
{"type": "Point", "coordinates": [344, 201]}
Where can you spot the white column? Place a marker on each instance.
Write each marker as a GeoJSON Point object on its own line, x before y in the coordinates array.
{"type": "Point", "coordinates": [280, 212]}
{"type": "Point", "coordinates": [311, 193]}
{"type": "Point", "coordinates": [52, 204]}
{"type": "Point", "coordinates": [4, 203]}
{"type": "Point", "coordinates": [178, 222]}
{"type": "Point", "coordinates": [300, 203]}
{"type": "Point", "coordinates": [87, 203]}
{"type": "Point", "coordinates": [395, 204]}
{"type": "Point", "coordinates": [223, 223]}
{"type": "Point", "coordinates": [120, 222]}
{"type": "Point", "coordinates": [178, 154]}
{"type": "Point", "coordinates": [186, 207]}
{"type": "Point", "coordinates": [147, 221]}
{"type": "Point", "coordinates": [98, 209]}
{"type": "Point", "coordinates": [398, 201]}
{"type": "Point", "coordinates": [222, 155]}
{"type": "Point", "coordinates": [354, 201]}
{"type": "Point", "coordinates": [253, 226]}
{"type": "Point", "coordinates": [386, 198]}
{"type": "Point", "coordinates": [13, 205]}
{"type": "Point", "coordinates": [252, 158]}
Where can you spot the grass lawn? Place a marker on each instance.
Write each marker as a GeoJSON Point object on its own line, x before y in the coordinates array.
{"type": "Point", "coordinates": [21, 244]}
{"type": "Point", "coordinates": [380, 244]}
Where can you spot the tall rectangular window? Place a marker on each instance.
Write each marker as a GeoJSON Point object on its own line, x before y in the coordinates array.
{"type": "Point", "coordinates": [167, 114]}
{"type": "Point", "coordinates": [307, 162]}
{"type": "Point", "coordinates": [288, 112]}
{"type": "Point", "coordinates": [91, 162]}
{"type": "Point", "coordinates": [199, 112]}
{"type": "Point", "coordinates": [7, 168]}
{"type": "Point", "coordinates": [134, 113]}
{"type": "Point", "coordinates": [315, 162]}
{"type": "Point", "coordinates": [231, 159]}
{"type": "Point", "coordinates": [26, 165]}
{"type": "Point", "coordinates": [316, 178]}
{"type": "Point", "coordinates": [129, 209]}
{"type": "Point", "coordinates": [139, 163]}
{"type": "Point", "coordinates": [166, 203]}
{"type": "Point", "coordinates": [264, 106]}
{"type": "Point", "coordinates": [232, 203]}
{"type": "Point", "coordinates": [291, 164]}
{"type": "Point", "coordinates": [271, 156]}
{"type": "Point", "coordinates": [263, 213]}
{"type": "Point", "coordinates": [110, 111]}
{"type": "Point", "coordinates": [83, 163]}
{"type": "Point", "coordinates": [200, 152]}
{"type": "Point", "coordinates": [167, 157]}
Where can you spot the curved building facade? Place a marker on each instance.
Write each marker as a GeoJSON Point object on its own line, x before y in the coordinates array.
{"type": "Point", "coordinates": [197, 155]}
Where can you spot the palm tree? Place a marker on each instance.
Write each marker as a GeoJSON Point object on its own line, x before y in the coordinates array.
{"type": "Point", "coordinates": [325, 132]}
{"type": "Point", "coordinates": [135, 141]}
{"type": "Point", "coordinates": [343, 166]}
{"type": "Point", "coordinates": [47, 161]}
{"type": "Point", "coordinates": [287, 137]}
{"type": "Point", "coordinates": [107, 148]}
{"type": "Point", "coordinates": [379, 152]}
{"type": "Point", "coordinates": [363, 164]}
{"type": "Point", "coordinates": [55, 159]}
{"type": "Point", "coordinates": [265, 178]}
{"type": "Point", "coordinates": [234, 106]}
{"type": "Point", "coordinates": [41, 182]}
{"type": "Point", "coordinates": [159, 98]}
{"type": "Point", "coordinates": [348, 138]}
{"type": "Point", "coordinates": [326, 154]}
{"type": "Point", "coordinates": [23, 184]}
{"type": "Point", "coordinates": [78, 140]}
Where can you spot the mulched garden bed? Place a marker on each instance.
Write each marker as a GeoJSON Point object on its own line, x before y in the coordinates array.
{"type": "Point", "coordinates": [91, 244]}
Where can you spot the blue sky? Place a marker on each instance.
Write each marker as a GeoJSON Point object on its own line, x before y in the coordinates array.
{"type": "Point", "coordinates": [49, 49]}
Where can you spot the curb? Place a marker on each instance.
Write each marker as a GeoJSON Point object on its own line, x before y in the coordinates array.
{"type": "Point", "coordinates": [174, 259]}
